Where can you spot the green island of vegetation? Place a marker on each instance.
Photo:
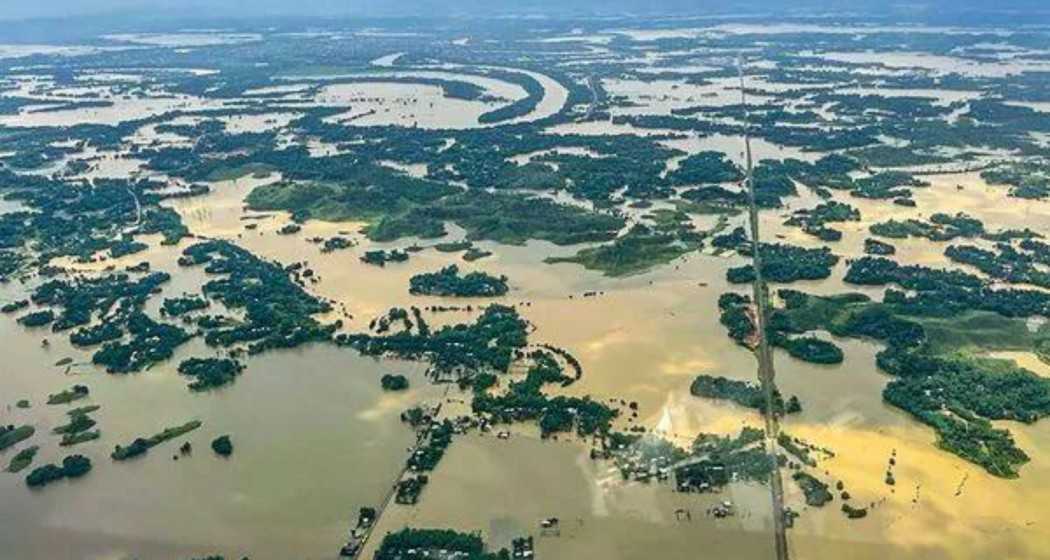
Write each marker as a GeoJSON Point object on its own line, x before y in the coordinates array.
{"type": "Point", "coordinates": [393, 382]}
{"type": "Point", "coordinates": [852, 512]}
{"type": "Point", "coordinates": [748, 395]}
{"type": "Point", "coordinates": [930, 338]}
{"type": "Point", "coordinates": [814, 221]}
{"type": "Point", "coordinates": [222, 446]}
{"type": "Point", "coordinates": [67, 396]}
{"type": "Point", "coordinates": [150, 343]}
{"type": "Point", "coordinates": [336, 243]}
{"type": "Point", "coordinates": [210, 373]}
{"type": "Point", "coordinates": [81, 300]}
{"type": "Point", "coordinates": [380, 257]}
{"type": "Point", "coordinates": [177, 307]}
{"type": "Point", "coordinates": [946, 227]}
{"type": "Point", "coordinates": [797, 449]}
{"type": "Point", "coordinates": [126, 247]}
{"type": "Point", "coordinates": [11, 435]}
{"type": "Point", "coordinates": [117, 300]}
{"type": "Point", "coordinates": [638, 250]}
{"type": "Point", "coordinates": [878, 248]}
{"type": "Point", "coordinates": [786, 263]}
{"type": "Point", "coordinates": [79, 437]}
{"type": "Point", "coordinates": [1028, 178]}
{"type": "Point", "coordinates": [449, 282]}
{"type": "Point", "coordinates": [73, 466]}
{"type": "Point", "coordinates": [81, 218]}
{"type": "Point", "coordinates": [278, 312]}
{"type": "Point", "coordinates": [422, 543]}
{"type": "Point", "coordinates": [488, 344]}
{"type": "Point", "coordinates": [706, 167]}
{"type": "Point", "coordinates": [475, 254]}
{"type": "Point", "coordinates": [525, 401]}
{"type": "Point", "coordinates": [23, 459]}
{"type": "Point", "coordinates": [936, 379]}
{"type": "Point", "coordinates": [453, 246]}
{"type": "Point", "coordinates": [1023, 264]}
{"type": "Point", "coordinates": [815, 491]}
{"type": "Point", "coordinates": [13, 306]}
{"type": "Point", "coordinates": [808, 348]}
{"type": "Point", "coordinates": [141, 445]}
{"type": "Point", "coordinates": [397, 206]}
{"type": "Point", "coordinates": [737, 317]}
{"type": "Point", "coordinates": [37, 318]}
{"type": "Point", "coordinates": [77, 430]}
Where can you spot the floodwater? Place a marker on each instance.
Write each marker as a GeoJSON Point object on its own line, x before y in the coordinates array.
{"type": "Point", "coordinates": [185, 39]}
{"type": "Point", "coordinates": [411, 105]}
{"type": "Point", "coordinates": [939, 64]}
{"type": "Point", "coordinates": [310, 421]}
{"type": "Point", "coordinates": [660, 97]}
{"type": "Point", "coordinates": [122, 109]}
{"type": "Point", "coordinates": [733, 148]}
{"type": "Point", "coordinates": [20, 50]}
{"type": "Point", "coordinates": [639, 339]}
{"type": "Point", "coordinates": [302, 422]}
{"type": "Point", "coordinates": [943, 96]}
{"type": "Point", "coordinates": [316, 438]}
{"type": "Point", "coordinates": [600, 515]}
{"type": "Point", "coordinates": [1027, 360]}
{"type": "Point", "coordinates": [381, 103]}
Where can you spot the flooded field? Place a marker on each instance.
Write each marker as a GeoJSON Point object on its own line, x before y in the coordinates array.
{"type": "Point", "coordinates": [349, 426]}
{"type": "Point", "coordinates": [637, 339]}
{"type": "Point", "coordinates": [604, 190]}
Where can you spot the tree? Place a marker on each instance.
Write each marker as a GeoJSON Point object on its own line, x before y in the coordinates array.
{"type": "Point", "coordinates": [222, 446]}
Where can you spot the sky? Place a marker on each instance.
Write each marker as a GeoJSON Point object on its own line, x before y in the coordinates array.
{"type": "Point", "coordinates": [160, 11]}
{"type": "Point", "coordinates": [21, 9]}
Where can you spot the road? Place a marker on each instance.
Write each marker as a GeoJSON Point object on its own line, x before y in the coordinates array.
{"type": "Point", "coordinates": [138, 208]}
{"type": "Point", "coordinates": [421, 438]}
{"type": "Point", "coordinates": [763, 352]}
{"type": "Point", "coordinates": [591, 83]}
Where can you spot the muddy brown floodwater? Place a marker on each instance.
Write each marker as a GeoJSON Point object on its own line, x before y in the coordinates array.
{"type": "Point", "coordinates": [316, 438]}
{"type": "Point", "coordinates": [646, 337]}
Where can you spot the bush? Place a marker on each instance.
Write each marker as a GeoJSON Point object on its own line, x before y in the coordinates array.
{"type": "Point", "coordinates": [222, 446]}
{"type": "Point", "coordinates": [394, 382]}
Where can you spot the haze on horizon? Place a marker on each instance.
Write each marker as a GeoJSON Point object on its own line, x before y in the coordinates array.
{"type": "Point", "coordinates": [166, 9]}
